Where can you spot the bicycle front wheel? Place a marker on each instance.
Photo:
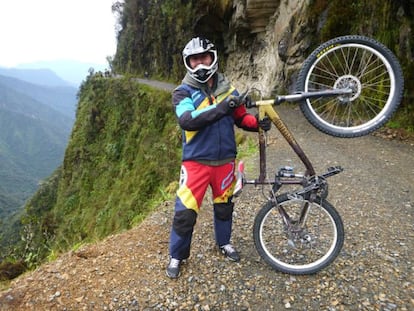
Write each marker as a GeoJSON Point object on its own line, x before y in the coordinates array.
{"type": "Point", "coordinates": [359, 63]}
{"type": "Point", "coordinates": [298, 249]}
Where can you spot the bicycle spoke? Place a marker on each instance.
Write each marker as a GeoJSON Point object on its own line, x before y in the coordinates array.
{"type": "Point", "coordinates": [333, 65]}
{"type": "Point", "coordinates": [370, 106]}
{"type": "Point", "coordinates": [374, 71]}
{"type": "Point", "coordinates": [364, 66]}
{"type": "Point", "coordinates": [351, 64]}
{"type": "Point", "coordinates": [317, 85]}
{"type": "Point", "coordinates": [296, 245]}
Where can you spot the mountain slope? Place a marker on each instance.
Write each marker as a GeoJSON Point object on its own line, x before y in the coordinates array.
{"type": "Point", "coordinates": [72, 71]}
{"type": "Point", "coordinates": [123, 150]}
{"type": "Point", "coordinates": [33, 138]}
{"type": "Point", "coordinates": [43, 76]}
{"type": "Point", "coordinates": [59, 98]}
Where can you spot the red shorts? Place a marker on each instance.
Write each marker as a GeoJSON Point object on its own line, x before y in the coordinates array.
{"type": "Point", "coordinates": [196, 177]}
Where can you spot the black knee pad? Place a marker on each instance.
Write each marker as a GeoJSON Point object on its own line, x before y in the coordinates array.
{"type": "Point", "coordinates": [184, 221]}
{"type": "Point", "coordinates": [223, 211]}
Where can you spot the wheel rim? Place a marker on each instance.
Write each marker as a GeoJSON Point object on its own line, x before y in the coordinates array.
{"type": "Point", "coordinates": [373, 84]}
{"type": "Point", "coordinates": [277, 249]}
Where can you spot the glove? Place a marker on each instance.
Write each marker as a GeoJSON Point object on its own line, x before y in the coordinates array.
{"type": "Point", "coordinates": [265, 124]}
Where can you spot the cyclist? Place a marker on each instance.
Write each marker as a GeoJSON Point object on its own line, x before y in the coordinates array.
{"type": "Point", "coordinates": [207, 107]}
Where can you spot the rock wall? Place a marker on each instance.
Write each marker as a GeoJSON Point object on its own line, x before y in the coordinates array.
{"type": "Point", "coordinates": [277, 41]}
{"type": "Point", "coordinates": [258, 13]}
{"type": "Point", "coordinates": [259, 41]}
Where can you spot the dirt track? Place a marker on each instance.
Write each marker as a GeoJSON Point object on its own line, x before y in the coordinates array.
{"type": "Point", "coordinates": [375, 271]}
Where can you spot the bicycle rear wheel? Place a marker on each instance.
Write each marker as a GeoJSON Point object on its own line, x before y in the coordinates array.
{"type": "Point", "coordinates": [291, 248]}
{"type": "Point", "coordinates": [362, 64]}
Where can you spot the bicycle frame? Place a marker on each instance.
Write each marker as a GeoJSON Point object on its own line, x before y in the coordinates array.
{"type": "Point", "coordinates": [265, 108]}
{"type": "Point", "coordinates": [352, 85]}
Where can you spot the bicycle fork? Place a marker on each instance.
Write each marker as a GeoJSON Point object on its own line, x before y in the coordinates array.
{"type": "Point", "coordinates": [296, 229]}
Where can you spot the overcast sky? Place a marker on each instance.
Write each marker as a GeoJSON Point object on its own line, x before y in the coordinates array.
{"type": "Point", "coordinates": [47, 30]}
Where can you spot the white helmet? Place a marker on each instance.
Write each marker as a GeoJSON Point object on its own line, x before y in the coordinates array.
{"type": "Point", "coordinates": [198, 45]}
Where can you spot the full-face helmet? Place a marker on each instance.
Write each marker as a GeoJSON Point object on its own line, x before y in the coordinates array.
{"type": "Point", "coordinates": [201, 72]}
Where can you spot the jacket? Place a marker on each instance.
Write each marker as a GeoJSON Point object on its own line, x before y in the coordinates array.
{"type": "Point", "coordinates": [206, 120]}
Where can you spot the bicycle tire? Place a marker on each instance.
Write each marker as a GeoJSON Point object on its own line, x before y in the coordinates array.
{"type": "Point", "coordinates": [310, 251]}
{"type": "Point", "coordinates": [366, 66]}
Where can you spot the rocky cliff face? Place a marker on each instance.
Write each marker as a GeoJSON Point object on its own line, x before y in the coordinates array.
{"type": "Point", "coordinates": [277, 43]}
{"type": "Point", "coordinates": [258, 13]}
{"type": "Point", "coordinates": [259, 41]}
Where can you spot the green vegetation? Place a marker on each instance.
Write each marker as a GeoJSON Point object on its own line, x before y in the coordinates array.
{"type": "Point", "coordinates": [33, 138]}
{"type": "Point", "coordinates": [145, 41]}
{"type": "Point", "coordinates": [122, 160]}
{"type": "Point", "coordinates": [152, 34]}
{"type": "Point", "coordinates": [123, 153]}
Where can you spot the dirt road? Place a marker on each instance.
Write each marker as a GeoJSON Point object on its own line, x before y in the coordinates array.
{"type": "Point", "coordinates": [375, 271]}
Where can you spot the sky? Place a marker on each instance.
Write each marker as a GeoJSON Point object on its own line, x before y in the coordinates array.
{"type": "Point", "coordinates": [50, 30]}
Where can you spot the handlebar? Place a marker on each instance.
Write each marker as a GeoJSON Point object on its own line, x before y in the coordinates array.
{"type": "Point", "coordinates": [299, 96]}
{"type": "Point", "coordinates": [306, 95]}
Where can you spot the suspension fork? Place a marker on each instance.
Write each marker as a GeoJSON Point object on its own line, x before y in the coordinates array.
{"type": "Point", "coordinates": [285, 216]}
{"type": "Point", "coordinates": [306, 208]}
{"type": "Point", "coordinates": [287, 220]}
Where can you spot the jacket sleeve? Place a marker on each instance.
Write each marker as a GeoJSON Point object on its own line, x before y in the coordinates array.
{"type": "Point", "coordinates": [191, 119]}
{"type": "Point", "coordinates": [245, 120]}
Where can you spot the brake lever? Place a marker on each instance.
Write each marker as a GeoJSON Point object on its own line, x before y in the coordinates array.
{"type": "Point", "coordinates": [244, 95]}
{"type": "Point", "coordinates": [249, 104]}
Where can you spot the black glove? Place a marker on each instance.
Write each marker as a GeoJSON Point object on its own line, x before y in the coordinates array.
{"type": "Point", "coordinates": [265, 124]}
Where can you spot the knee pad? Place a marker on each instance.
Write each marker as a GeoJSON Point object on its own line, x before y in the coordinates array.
{"type": "Point", "coordinates": [223, 211]}
{"type": "Point", "coordinates": [184, 221]}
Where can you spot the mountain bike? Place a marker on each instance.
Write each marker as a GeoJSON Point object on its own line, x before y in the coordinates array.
{"type": "Point", "coordinates": [347, 87]}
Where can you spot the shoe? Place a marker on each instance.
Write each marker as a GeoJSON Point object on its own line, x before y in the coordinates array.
{"type": "Point", "coordinates": [229, 251]}
{"type": "Point", "coordinates": [173, 268]}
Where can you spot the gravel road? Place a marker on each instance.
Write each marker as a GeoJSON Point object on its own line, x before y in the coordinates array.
{"type": "Point", "coordinates": [374, 271]}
